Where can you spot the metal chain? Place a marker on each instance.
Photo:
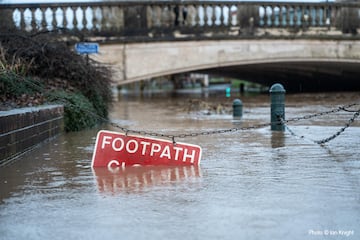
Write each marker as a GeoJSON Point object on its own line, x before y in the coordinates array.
{"type": "Point", "coordinates": [283, 122]}
{"type": "Point", "coordinates": [229, 130]}
{"type": "Point", "coordinates": [325, 140]}
{"type": "Point", "coordinates": [351, 120]}
{"type": "Point", "coordinates": [185, 135]}
{"type": "Point", "coordinates": [222, 131]}
{"type": "Point", "coordinates": [342, 108]}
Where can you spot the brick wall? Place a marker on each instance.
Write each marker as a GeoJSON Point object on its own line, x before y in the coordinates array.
{"type": "Point", "coordinates": [22, 129]}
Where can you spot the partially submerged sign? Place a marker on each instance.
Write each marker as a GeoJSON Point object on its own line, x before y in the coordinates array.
{"type": "Point", "coordinates": [87, 48]}
{"type": "Point", "coordinates": [113, 149]}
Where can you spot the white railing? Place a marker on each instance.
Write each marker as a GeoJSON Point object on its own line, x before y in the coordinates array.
{"type": "Point", "coordinates": [163, 18]}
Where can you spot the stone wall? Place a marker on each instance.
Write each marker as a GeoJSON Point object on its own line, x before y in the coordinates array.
{"type": "Point", "coordinates": [22, 129]}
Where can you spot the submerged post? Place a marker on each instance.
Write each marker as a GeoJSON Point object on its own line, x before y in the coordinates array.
{"type": "Point", "coordinates": [277, 95]}
{"type": "Point", "coordinates": [237, 108]}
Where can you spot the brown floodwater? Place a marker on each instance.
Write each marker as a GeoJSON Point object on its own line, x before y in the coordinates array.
{"type": "Point", "coordinates": [251, 184]}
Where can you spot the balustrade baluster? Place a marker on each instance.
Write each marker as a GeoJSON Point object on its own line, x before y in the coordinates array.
{"type": "Point", "coordinates": [268, 14]}
{"type": "Point", "coordinates": [180, 15]}
{"type": "Point", "coordinates": [295, 17]}
{"type": "Point", "coordinates": [54, 21]}
{"type": "Point", "coordinates": [302, 11]}
{"type": "Point", "coordinates": [22, 24]}
{"type": "Point", "coordinates": [288, 16]}
{"type": "Point", "coordinates": [226, 19]}
{"type": "Point", "coordinates": [197, 16]}
{"type": "Point", "coordinates": [306, 16]}
{"type": "Point", "coordinates": [157, 16]}
{"type": "Point", "coordinates": [222, 16]}
{"type": "Point", "coordinates": [186, 15]}
{"type": "Point", "coordinates": [273, 17]}
{"type": "Point", "coordinates": [316, 17]}
{"type": "Point", "coordinates": [298, 16]}
{"type": "Point", "coordinates": [302, 21]}
{"type": "Point", "coordinates": [170, 16]}
{"type": "Point", "coordinates": [266, 17]}
{"type": "Point", "coordinates": [310, 16]}
{"type": "Point", "coordinates": [84, 20]}
{"type": "Point", "coordinates": [281, 17]}
{"type": "Point", "coordinates": [43, 18]}
{"type": "Point", "coordinates": [213, 20]}
{"type": "Point", "coordinates": [230, 16]}
{"type": "Point", "coordinates": [206, 18]}
{"type": "Point", "coordinates": [321, 16]}
{"type": "Point", "coordinates": [102, 26]}
{"type": "Point", "coordinates": [33, 19]}
{"type": "Point", "coordinates": [149, 13]}
{"type": "Point", "coordinates": [326, 16]}
{"type": "Point", "coordinates": [234, 15]}
{"type": "Point", "coordinates": [95, 19]}
{"type": "Point", "coordinates": [74, 20]}
{"type": "Point", "coordinates": [64, 17]}
{"type": "Point", "coordinates": [312, 19]}
{"type": "Point", "coordinates": [262, 16]}
{"type": "Point", "coordinates": [227, 15]}
{"type": "Point", "coordinates": [163, 16]}
{"type": "Point", "coordinates": [334, 16]}
{"type": "Point", "coordinates": [110, 18]}
{"type": "Point", "coordinates": [120, 19]}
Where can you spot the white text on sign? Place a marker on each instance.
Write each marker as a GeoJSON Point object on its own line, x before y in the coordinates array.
{"type": "Point", "coordinates": [144, 148]}
{"type": "Point", "coordinates": [130, 150]}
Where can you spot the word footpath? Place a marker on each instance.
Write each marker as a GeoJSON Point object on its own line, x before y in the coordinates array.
{"type": "Point", "coordinates": [113, 149]}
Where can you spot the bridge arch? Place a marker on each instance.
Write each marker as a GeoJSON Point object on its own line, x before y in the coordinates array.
{"type": "Point", "coordinates": [262, 61]}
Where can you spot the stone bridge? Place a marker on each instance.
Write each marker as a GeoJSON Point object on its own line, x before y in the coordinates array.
{"type": "Point", "coordinates": [305, 46]}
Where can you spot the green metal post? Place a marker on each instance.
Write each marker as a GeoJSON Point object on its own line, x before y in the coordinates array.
{"type": "Point", "coordinates": [237, 108]}
{"type": "Point", "coordinates": [277, 95]}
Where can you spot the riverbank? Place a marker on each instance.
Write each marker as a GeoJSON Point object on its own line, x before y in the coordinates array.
{"type": "Point", "coordinates": [42, 68]}
{"type": "Point", "coordinates": [23, 128]}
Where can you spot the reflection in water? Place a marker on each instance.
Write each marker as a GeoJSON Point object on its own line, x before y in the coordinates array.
{"type": "Point", "coordinates": [139, 178]}
{"type": "Point", "coordinates": [277, 139]}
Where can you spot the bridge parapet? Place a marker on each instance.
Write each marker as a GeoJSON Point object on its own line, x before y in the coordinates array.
{"type": "Point", "coordinates": [156, 20]}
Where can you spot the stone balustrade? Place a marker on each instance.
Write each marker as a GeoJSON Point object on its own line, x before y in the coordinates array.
{"type": "Point", "coordinates": [159, 18]}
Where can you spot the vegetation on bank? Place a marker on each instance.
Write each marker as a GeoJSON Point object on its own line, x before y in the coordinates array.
{"type": "Point", "coordinates": [43, 68]}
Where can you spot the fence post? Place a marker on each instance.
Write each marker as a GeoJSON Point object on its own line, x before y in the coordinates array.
{"type": "Point", "coordinates": [237, 108]}
{"type": "Point", "coordinates": [277, 95]}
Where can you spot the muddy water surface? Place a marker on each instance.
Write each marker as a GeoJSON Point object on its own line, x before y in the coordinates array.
{"type": "Point", "coordinates": [253, 184]}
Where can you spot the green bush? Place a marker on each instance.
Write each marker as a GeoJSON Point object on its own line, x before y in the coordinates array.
{"type": "Point", "coordinates": [79, 112]}
{"type": "Point", "coordinates": [14, 85]}
{"type": "Point", "coordinates": [81, 84]}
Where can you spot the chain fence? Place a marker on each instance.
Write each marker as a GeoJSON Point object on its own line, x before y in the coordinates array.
{"type": "Point", "coordinates": [333, 136]}
{"type": "Point", "coordinates": [281, 121]}
{"type": "Point", "coordinates": [257, 126]}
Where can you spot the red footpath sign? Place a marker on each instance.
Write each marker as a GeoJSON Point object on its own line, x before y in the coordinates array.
{"type": "Point", "coordinates": [113, 149]}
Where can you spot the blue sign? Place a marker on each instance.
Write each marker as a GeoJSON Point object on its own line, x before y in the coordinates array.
{"type": "Point", "coordinates": [87, 48]}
